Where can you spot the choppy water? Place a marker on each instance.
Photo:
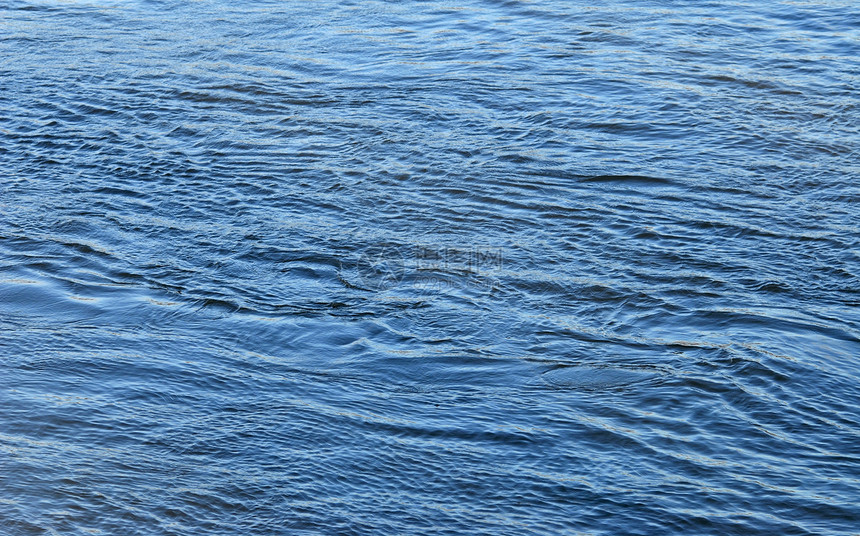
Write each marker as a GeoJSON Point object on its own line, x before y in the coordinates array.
{"type": "Point", "coordinates": [429, 267]}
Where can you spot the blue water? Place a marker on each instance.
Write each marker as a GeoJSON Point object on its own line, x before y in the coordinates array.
{"type": "Point", "coordinates": [481, 267]}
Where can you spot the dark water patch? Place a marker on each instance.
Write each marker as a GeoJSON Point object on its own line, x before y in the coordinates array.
{"type": "Point", "coordinates": [627, 179]}
{"type": "Point", "coordinates": [583, 377]}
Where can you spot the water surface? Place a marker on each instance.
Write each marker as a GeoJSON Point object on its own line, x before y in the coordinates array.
{"type": "Point", "coordinates": [429, 268]}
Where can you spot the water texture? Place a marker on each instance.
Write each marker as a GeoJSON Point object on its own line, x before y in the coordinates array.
{"type": "Point", "coordinates": [487, 267]}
